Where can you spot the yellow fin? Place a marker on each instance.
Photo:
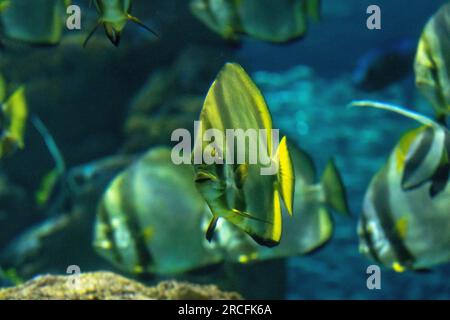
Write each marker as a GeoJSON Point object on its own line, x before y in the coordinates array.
{"type": "Point", "coordinates": [397, 267]}
{"type": "Point", "coordinates": [277, 226]}
{"type": "Point", "coordinates": [17, 112]}
{"type": "Point", "coordinates": [286, 176]}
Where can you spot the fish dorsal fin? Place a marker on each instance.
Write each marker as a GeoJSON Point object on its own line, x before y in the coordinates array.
{"type": "Point", "coordinates": [427, 158]}
{"type": "Point", "coordinates": [286, 175]}
{"type": "Point", "coordinates": [397, 109]}
{"type": "Point", "coordinates": [235, 102]}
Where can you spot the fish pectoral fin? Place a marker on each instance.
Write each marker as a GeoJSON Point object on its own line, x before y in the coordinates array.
{"type": "Point", "coordinates": [286, 175]}
{"type": "Point", "coordinates": [142, 25]}
{"type": "Point", "coordinates": [211, 228]}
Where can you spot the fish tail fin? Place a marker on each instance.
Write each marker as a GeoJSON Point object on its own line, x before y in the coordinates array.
{"type": "Point", "coordinates": [286, 175]}
{"type": "Point", "coordinates": [211, 228]}
{"type": "Point", "coordinates": [397, 109]}
{"type": "Point", "coordinates": [334, 189]}
{"type": "Point", "coordinates": [142, 25]}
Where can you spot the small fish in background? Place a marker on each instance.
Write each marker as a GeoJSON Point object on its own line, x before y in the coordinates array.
{"type": "Point", "coordinates": [149, 219]}
{"type": "Point", "coordinates": [406, 218]}
{"type": "Point", "coordinates": [239, 193]}
{"type": "Point", "coordinates": [273, 21]}
{"type": "Point", "coordinates": [311, 225]}
{"type": "Point", "coordinates": [37, 22]}
{"type": "Point", "coordinates": [381, 67]}
{"type": "Point", "coordinates": [114, 16]}
{"type": "Point", "coordinates": [432, 64]}
{"type": "Point", "coordinates": [13, 118]}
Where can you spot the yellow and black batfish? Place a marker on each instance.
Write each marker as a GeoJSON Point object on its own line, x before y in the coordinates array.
{"type": "Point", "coordinates": [273, 21]}
{"type": "Point", "coordinates": [432, 65]}
{"type": "Point", "coordinates": [311, 225]}
{"type": "Point", "coordinates": [240, 192]}
{"type": "Point", "coordinates": [408, 229]}
{"type": "Point", "coordinates": [149, 219]}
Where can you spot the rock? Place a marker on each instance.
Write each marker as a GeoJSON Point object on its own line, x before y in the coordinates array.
{"type": "Point", "coordinates": [109, 286]}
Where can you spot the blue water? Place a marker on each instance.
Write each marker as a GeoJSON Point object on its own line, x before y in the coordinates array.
{"type": "Point", "coordinates": [85, 96]}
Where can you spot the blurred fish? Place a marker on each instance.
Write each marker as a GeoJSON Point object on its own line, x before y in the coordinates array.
{"type": "Point", "coordinates": [38, 22]}
{"type": "Point", "coordinates": [114, 15]}
{"type": "Point", "coordinates": [381, 67]}
{"type": "Point", "coordinates": [13, 118]}
{"type": "Point", "coordinates": [408, 229]}
{"type": "Point", "coordinates": [4, 4]}
{"type": "Point", "coordinates": [60, 185]}
{"type": "Point", "coordinates": [311, 225]}
{"type": "Point", "coordinates": [432, 65]}
{"type": "Point", "coordinates": [239, 193]}
{"type": "Point", "coordinates": [274, 21]}
{"type": "Point", "coordinates": [149, 219]}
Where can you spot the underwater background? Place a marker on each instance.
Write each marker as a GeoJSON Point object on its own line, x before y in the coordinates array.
{"type": "Point", "coordinates": [103, 100]}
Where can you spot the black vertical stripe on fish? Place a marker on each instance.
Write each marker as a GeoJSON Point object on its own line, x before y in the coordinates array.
{"type": "Point", "coordinates": [417, 158]}
{"type": "Point", "coordinates": [105, 220]}
{"type": "Point", "coordinates": [368, 239]}
{"type": "Point", "coordinates": [440, 180]}
{"type": "Point", "coordinates": [381, 202]}
{"type": "Point", "coordinates": [128, 198]}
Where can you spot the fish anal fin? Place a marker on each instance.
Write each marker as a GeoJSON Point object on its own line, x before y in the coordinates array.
{"type": "Point", "coordinates": [286, 175]}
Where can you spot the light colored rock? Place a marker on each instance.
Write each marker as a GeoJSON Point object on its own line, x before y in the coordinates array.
{"type": "Point", "coordinates": [109, 286]}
